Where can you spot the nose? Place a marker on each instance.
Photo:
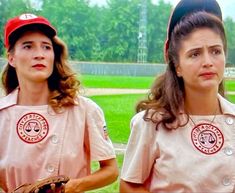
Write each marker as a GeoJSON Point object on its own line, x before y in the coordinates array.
{"type": "Point", "coordinates": [39, 53]}
{"type": "Point", "coordinates": [207, 60]}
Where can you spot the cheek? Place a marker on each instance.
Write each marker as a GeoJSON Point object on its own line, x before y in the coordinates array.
{"type": "Point", "coordinates": [52, 58]}
{"type": "Point", "coordinates": [221, 64]}
{"type": "Point", "coordinates": [182, 70]}
{"type": "Point", "coordinates": [51, 69]}
{"type": "Point", "coordinates": [21, 62]}
{"type": "Point", "coordinates": [52, 65]}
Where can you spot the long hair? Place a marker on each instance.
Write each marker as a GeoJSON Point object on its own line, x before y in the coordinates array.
{"type": "Point", "coordinates": [63, 83]}
{"type": "Point", "coordinates": [167, 94]}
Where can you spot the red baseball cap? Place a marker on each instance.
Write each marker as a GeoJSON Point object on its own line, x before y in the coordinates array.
{"type": "Point", "coordinates": [24, 20]}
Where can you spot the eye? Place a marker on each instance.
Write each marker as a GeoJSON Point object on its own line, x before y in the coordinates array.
{"type": "Point", "coordinates": [216, 51]}
{"type": "Point", "coordinates": [47, 47]}
{"type": "Point", "coordinates": [27, 46]}
{"type": "Point", "coordinates": [194, 54]}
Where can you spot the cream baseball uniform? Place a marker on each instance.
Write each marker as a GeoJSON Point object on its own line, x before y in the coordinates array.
{"type": "Point", "coordinates": [188, 159]}
{"type": "Point", "coordinates": [37, 143]}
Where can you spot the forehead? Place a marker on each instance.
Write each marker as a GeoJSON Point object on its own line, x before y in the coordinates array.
{"type": "Point", "coordinates": [201, 37]}
{"type": "Point", "coordinates": [33, 34]}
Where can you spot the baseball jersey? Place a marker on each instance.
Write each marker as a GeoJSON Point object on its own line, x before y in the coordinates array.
{"type": "Point", "coordinates": [192, 158]}
{"type": "Point", "coordinates": [37, 143]}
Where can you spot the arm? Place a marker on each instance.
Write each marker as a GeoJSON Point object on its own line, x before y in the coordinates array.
{"type": "Point", "coordinates": [128, 187]}
{"type": "Point", "coordinates": [140, 156]}
{"type": "Point", "coordinates": [107, 174]}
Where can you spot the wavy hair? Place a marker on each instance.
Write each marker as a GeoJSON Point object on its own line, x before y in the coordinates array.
{"type": "Point", "coordinates": [63, 83]}
{"type": "Point", "coordinates": [165, 101]}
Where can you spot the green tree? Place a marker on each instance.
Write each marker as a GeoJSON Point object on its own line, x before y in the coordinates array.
{"type": "Point", "coordinates": [230, 31]}
{"type": "Point", "coordinates": [75, 21]}
{"type": "Point", "coordinates": [8, 9]}
{"type": "Point", "coordinates": [2, 23]}
{"type": "Point", "coordinates": [121, 30]}
{"type": "Point", "coordinates": [158, 16]}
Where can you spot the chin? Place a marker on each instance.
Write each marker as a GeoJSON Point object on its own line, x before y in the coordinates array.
{"type": "Point", "coordinates": [41, 78]}
{"type": "Point", "coordinates": [210, 87]}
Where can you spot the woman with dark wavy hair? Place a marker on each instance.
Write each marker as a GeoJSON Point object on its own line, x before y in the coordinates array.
{"type": "Point", "coordinates": [182, 137]}
{"type": "Point", "coordinates": [46, 128]}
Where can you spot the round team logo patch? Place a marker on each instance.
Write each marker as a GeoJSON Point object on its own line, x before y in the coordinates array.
{"type": "Point", "coordinates": [32, 128]}
{"type": "Point", "coordinates": [207, 138]}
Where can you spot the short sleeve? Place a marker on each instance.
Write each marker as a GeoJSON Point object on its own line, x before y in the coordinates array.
{"type": "Point", "coordinates": [100, 145]}
{"type": "Point", "coordinates": [141, 150]}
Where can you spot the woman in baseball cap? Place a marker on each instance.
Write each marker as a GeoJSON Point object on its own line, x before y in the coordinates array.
{"type": "Point", "coordinates": [47, 128]}
{"type": "Point", "coordinates": [182, 137]}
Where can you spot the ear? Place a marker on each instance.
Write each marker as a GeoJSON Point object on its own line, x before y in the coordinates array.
{"type": "Point", "coordinates": [10, 59]}
{"type": "Point", "coordinates": [178, 71]}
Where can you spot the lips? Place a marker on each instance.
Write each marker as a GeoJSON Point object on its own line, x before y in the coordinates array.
{"type": "Point", "coordinates": [207, 74]}
{"type": "Point", "coordinates": [39, 65]}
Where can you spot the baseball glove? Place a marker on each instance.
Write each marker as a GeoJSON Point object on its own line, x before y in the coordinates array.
{"type": "Point", "coordinates": [47, 185]}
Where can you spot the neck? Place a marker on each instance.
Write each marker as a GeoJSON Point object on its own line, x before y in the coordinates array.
{"type": "Point", "coordinates": [36, 94]}
{"type": "Point", "coordinates": [202, 103]}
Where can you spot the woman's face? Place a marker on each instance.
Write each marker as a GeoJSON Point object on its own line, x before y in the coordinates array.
{"type": "Point", "coordinates": [201, 60]}
{"type": "Point", "coordinates": [32, 57]}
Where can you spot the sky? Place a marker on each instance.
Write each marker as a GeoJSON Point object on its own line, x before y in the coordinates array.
{"type": "Point", "coordinates": [227, 6]}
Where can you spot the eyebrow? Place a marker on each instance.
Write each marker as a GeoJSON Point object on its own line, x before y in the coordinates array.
{"type": "Point", "coordinates": [30, 42]}
{"type": "Point", "coordinates": [198, 48]}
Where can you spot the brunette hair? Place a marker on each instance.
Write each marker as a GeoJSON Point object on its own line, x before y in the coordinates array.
{"type": "Point", "coordinates": [167, 93]}
{"type": "Point", "coordinates": [63, 83]}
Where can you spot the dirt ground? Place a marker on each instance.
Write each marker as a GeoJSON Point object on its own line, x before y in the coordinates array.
{"type": "Point", "coordinates": [110, 91]}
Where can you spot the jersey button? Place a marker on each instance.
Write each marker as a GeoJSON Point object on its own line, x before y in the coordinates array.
{"type": "Point", "coordinates": [50, 168]}
{"type": "Point", "coordinates": [229, 121]}
{"type": "Point", "coordinates": [226, 181]}
{"type": "Point", "coordinates": [54, 139]}
{"type": "Point", "coordinates": [228, 151]}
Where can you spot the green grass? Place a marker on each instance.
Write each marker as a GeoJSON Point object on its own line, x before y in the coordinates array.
{"type": "Point", "coordinates": [95, 81]}
{"type": "Point", "coordinates": [114, 187]}
{"type": "Point", "coordinates": [118, 110]}
{"type": "Point", "coordinates": [231, 98]}
{"type": "Point", "coordinates": [230, 85]}
{"type": "Point", "coordinates": [92, 81]}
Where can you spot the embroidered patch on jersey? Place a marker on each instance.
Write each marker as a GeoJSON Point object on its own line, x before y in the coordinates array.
{"type": "Point", "coordinates": [32, 128]}
{"type": "Point", "coordinates": [106, 136]}
{"type": "Point", "coordinates": [207, 138]}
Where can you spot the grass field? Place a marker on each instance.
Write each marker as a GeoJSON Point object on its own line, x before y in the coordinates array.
{"type": "Point", "coordinates": [118, 109]}
{"type": "Point", "coordinates": [92, 81]}
{"type": "Point", "coordinates": [230, 85]}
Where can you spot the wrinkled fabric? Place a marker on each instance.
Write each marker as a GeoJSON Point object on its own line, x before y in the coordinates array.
{"type": "Point", "coordinates": [67, 142]}
{"type": "Point", "coordinates": [174, 160]}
